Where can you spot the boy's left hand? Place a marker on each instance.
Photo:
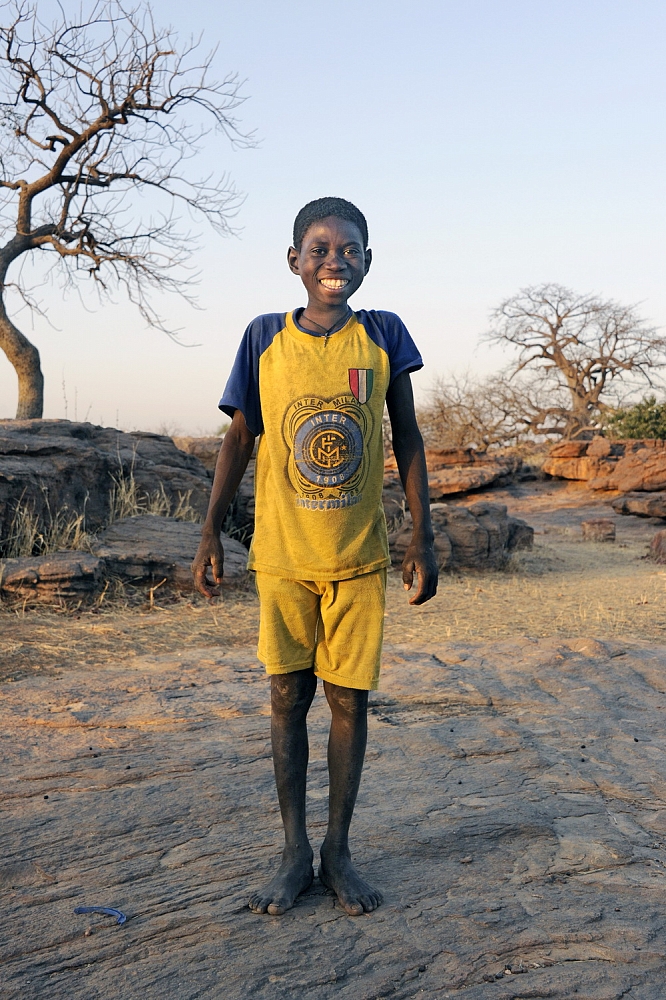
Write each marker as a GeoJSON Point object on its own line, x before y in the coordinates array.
{"type": "Point", "coordinates": [420, 559]}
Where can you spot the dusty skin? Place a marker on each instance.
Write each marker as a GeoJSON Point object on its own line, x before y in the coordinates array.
{"type": "Point", "coordinates": [512, 805]}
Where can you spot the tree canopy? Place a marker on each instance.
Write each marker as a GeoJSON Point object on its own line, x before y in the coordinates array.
{"type": "Point", "coordinates": [101, 119]}
{"type": "Point", "coordinates": [579, 354]}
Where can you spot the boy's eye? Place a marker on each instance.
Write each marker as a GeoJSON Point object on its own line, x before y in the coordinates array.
{"type": "Point", "coordinates": [353, 251]}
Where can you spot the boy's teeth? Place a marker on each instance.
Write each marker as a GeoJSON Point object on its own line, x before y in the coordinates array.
{"type": "Point", "coordinates": [334, 282]}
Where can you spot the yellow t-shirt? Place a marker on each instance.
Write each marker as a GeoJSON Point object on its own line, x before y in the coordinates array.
{"type": "Point", "coordinates": [317, 403]}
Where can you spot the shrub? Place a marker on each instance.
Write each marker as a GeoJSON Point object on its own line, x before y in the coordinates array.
{"type": "Point", "coordinates": [646, 419]}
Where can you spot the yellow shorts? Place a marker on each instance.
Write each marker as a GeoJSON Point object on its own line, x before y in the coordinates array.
{"type": "Point", "coordinates": [335, 626]}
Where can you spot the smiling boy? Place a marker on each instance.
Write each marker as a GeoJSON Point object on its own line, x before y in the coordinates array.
{"type": "Point", "coordinates": [312, 384]}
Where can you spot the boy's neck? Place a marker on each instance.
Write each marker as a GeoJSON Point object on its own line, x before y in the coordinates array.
{"type": "Point", "coordinates": [321, 319]}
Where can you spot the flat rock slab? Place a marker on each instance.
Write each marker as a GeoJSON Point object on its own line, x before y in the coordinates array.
{"type": "Point", "coordinates": [50, 577]}
{"type": "Point", "coordinates": [52, 464]}
{"type": "Point", "coordinates": [641, 504]}
{"type": "Point", "coordinates": [149, 548]}
{"type": "Point", "coordinates": [513, 810]}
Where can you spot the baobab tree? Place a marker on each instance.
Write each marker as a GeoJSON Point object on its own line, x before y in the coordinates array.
{"type": "Point", "coordinates": [100, 119]}
{"type": "Point", "coordinates": [580, 353]}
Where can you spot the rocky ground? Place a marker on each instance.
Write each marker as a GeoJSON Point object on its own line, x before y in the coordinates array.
{"type": "Point", "coordinates": [513, 805]}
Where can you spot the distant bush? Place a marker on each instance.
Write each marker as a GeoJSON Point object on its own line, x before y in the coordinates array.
{"type": "Point", "coordinates": [646, 419]}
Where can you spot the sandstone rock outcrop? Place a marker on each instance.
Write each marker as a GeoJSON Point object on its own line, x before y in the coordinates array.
{"type": "Point", "coordinates": [641, 504]}
{"type": "Point", "coordinates": [206, 449]}
{"type": "Point", "coordinates": [641, 469]}
{"type": "Point", "coordinates": [137, 550]}
{"type": "Point", "coordinates": [478, 537]}
{"type": "Point", "coordinates": [629, 465]}
{"type": "Point", "coordinates": [59, 575]}
{"type": "Point", "coordinates": [149, 549]}
{"type": "Point", "coordinates": [51, 464]}
{"type": "Point", "coordinates": [457, 470]}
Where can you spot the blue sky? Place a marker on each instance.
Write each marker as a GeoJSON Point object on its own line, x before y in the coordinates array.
{"type": "Point", "coordinates": [491, 145]}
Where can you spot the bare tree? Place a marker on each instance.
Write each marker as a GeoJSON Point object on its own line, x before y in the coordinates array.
{"type": "Point", "coordinates": [582, 350]}
{"type": "Point", "coordinates": [492, 411]}
{"type": "Point", "coordinates": [99, 118]}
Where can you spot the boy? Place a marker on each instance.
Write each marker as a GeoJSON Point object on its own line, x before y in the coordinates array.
{"type": "Point", "coordinates": [312, 384]}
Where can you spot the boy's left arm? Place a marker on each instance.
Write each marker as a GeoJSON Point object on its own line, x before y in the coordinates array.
{"type": "Point", "coordinates": [410, 456]}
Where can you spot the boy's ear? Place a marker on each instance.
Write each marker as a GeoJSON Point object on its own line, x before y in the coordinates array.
{"type": "Point", "coordinates": [292, 260]}
{"type": "Point", "coordinates": [368, 259]}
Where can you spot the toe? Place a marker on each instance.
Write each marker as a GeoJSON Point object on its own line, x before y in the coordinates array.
{"type": "Point", "coordinates": [276, 909]}
{"type": "Point", "coordinates": [353, 907]}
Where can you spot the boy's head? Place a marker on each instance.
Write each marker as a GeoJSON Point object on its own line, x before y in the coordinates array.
{"type": "Point", "coordinates": [330, 251]}
{"type": "Point", "coordinates": [323, 208]}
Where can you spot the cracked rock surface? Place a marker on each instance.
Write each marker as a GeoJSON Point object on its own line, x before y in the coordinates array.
{"type": "Point", "coordinates": [513, 811]}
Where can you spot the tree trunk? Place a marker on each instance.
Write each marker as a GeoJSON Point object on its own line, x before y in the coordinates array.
{"type": "Point", "coordinates": [24, 356]}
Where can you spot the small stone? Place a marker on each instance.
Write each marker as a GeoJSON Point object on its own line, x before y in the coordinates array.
{"type": "Point", "coordinates": [598, 529]}
{"type": "Point", "coordinates": [466, 861]}
{"type": "Point", "coordinates": [46, 796]}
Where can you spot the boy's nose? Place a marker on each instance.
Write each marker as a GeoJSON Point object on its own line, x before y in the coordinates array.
{"type": "Point", "coordinates": [335, 262]}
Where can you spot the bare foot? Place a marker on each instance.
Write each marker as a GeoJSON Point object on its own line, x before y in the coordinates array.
{"type": "Point", "coordinates": [337, 872]}
{"type": "Point", "coordinates": [293, 877]}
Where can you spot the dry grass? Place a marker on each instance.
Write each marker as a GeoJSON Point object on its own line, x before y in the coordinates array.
{"type": "Point", "coordinates": [32, 535]}
{"type": "Point", "coordinates": [28, 535]}
{"type": "Point", "coordinates": [561, 588]}
{"type": "Point", "coordinates": [127, 500]}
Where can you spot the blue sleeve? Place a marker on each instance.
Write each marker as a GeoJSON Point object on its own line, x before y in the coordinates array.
{"type": "Point", "coordinates": [242, 389]}
{"type": "Point", "coordinates": [390, 333]}
{"type": "Point", "coordinates": [404, 355]}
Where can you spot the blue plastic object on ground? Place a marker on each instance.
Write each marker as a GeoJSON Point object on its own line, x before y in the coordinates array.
{"type": "Point", "coordinates": [109, 910]}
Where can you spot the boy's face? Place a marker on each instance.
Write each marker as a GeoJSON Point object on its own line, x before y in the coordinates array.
{"type": "Point", "coordinates": [332, 261]}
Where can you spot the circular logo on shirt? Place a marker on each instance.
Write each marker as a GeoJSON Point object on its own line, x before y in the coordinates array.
{"type": "Point", "coordinates": [328, 447]}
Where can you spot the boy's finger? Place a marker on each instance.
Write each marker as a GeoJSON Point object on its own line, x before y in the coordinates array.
{"type": "Point", "coordinates": [217, 567]}
{"type": "Point", "coordinates": [427, 586]}
{"type": "Point", "coordinates": [200, 581]}
{"type": "Point", "coordinates": [419, 597]}
{"type": "Point", "coordinates": [408, 576]}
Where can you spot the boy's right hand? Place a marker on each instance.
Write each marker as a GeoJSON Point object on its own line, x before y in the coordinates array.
{"type": "Point", "coordinates": [210, 553]}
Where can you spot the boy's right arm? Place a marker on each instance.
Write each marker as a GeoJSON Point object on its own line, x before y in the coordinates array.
{"type": "Point", "coordinates": [232, 461]}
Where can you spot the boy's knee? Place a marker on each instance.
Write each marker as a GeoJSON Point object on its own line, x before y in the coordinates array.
{"type": "Point", "coordinates": [292, 694]}
{"type": "Point", "coordinates": [346, 701]}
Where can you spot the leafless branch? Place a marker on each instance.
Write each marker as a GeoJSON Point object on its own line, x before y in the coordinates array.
{"type": "Point", "coordinates": [584, 349]}
{"type": "Point", "coordinates": [95, 110]}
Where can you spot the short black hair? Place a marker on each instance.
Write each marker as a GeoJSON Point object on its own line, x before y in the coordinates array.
{"type": "Point", "coordinates": [322, 208]}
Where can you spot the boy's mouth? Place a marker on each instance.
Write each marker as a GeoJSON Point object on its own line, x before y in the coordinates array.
{"type": "Point", "coordinates": [335, 284]}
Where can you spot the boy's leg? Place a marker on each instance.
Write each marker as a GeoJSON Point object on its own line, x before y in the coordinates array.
{"type": "Point", "coordinates": [291, 697]}
{"type": "Point", "coordinates": [346, 752]}
{"type": "Point", "coordinates": [348, 659]}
